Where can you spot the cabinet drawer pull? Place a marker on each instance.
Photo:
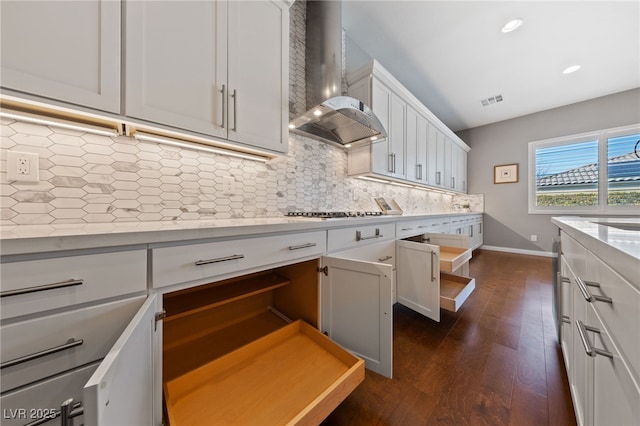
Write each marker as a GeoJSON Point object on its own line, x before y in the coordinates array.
{"type": "Point", "coordinates": [566, 319]}
{"type": "Point", "coordinates": [76, 410]}
{"type": "Point", "coordinates": [437, 178]}
{"type": "Point", "coordinates": [421, 226]}
{"type": "Point", "coordinates": [433, 266]}
{"type": "Point", "coordinates": [224, 103]}
{"type": "Point", "coordinates": [53, 286]}
{"type": "Point", "coordinates": [582, 285]}
{"type": "Point", "coordinates": [220, 259]}
{"type": "Point", "coordinates": [71, 343]}
{"type": "Point", "coordinates": [586, 343]}
{"type": "Point", "coordinates": [383, 259]}
{"type": "Point", "coordinates": [302, 246]}
{"type": "Point", "coordinates": [408, 229]}
{"type": "Point", "coordinates": [564, 279]}
{"type": "Point", "coordinates": [359, 236]}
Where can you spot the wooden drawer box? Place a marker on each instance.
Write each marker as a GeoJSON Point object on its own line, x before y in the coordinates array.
{"type": "Point", "coordinates": [186, 263]}
{"type": "Point", "coordinates": [295, 375]}
{"type": "Point", "coordinates": [246, 350]}
{"type": "Point", "coordinates": [454, 291]}
{"type": "Point", "coordinates": [73, 338]}
{"type": "Point", "coordinates": [452, 258]}
{"type": "Point", "coordinates": [38, 285]}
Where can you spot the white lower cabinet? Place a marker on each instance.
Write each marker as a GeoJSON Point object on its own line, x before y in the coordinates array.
{"type": "Point", "coordinates": [599, 338]}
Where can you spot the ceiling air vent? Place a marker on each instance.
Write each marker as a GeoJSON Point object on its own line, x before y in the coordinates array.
{"type": "Point", "coordinates": [491, 100]}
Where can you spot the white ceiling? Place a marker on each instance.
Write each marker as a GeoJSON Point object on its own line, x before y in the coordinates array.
{"type": "Point", "coordinates": [451, 54]}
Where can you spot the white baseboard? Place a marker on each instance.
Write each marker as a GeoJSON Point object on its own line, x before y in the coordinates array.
{"type": "Point", "coordinates": [518, 251]}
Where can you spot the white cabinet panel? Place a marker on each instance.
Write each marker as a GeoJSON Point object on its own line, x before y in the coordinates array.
{"type": "Point", "coordinates": [126, 388]}
{"type": "Point", "coordinates": [419, 278]}
{"type": "Point", "coordinates": [88, 333]}
{"type": "Point", "coordinates": [38, 285]}
{"type": "Point", "coordinates": [258, 73]}
{"type": "Point", "coordinates": [176, 63]}
{"type": "Point", "coordinates": [357, 311]}
{"type": "Point", "coordinates": [68, 51]}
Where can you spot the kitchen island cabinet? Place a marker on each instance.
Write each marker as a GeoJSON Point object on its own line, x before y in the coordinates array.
{"type": "Point", "coordinates": [600, 314]}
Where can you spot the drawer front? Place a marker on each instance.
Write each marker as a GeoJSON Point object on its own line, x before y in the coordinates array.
{"type": "Point", "coordinates": [441, 224]}
{"type": "Point", "coordinates": [45, 398]}
{"type": "Point", "coordinates": [574, 253]}
{"type": "Point", "coordinates": [346, 238]}
{"type": "Point", "coordinates": [66, 281]}
{"type": "Point", "coordinates": [413, 227]}
{"type": "Point", "coordinates": [622, 315]}
{"type": "Point", "coordinates": [180, 264]}
{"type": "Point", "coordinates": [64, 341]}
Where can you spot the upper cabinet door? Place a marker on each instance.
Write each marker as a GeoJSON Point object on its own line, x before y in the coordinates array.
{"type": "Point", "coordinates": [176, 64]}
{"type": "Point", "coordinates": [413, 172]}
{"type": "Point", "coordinates": [381, 107]}
{"type": "Point", "coordinates": [357, 311]}
{"type": "Point", "coordinates": [258, 93]}
{"type": "Point", "coordinates": [68, 51]}
{"type": "Point", "coordinates": [126, 388]}
{"type": "Point", "coordinates": [419, 277]}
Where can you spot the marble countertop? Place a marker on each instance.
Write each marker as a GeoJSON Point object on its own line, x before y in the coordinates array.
{"type": "Point", "coordinates": [615, 240]}
{"type": "Point", "coordinates": [25, 239]}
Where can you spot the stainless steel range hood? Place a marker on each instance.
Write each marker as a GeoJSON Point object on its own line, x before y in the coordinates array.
{"type": "Point", "coordinates": [331, 117]}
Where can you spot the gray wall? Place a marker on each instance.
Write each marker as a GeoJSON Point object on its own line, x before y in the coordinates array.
{"type": "Point", "coordinates": [507, 222]}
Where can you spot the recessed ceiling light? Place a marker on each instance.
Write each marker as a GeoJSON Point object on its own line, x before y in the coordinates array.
{"type": "Point", "coordinates": [572, 68]}
{"type": "Point", "coordinates": [512, 25]}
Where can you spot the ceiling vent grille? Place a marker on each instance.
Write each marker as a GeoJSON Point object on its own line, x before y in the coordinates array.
{"type": "Point", "coordinates": [491, 100]}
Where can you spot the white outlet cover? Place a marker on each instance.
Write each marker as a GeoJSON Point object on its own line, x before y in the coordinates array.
{"type": "Point", "coordinates": [14, 158]}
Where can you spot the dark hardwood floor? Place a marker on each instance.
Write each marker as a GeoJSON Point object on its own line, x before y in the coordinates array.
{"type": "Point", "coordinates": [494, 362]}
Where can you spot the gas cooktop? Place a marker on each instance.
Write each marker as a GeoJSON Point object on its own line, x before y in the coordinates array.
{"type": "Point", "coordinates": [330, 215]}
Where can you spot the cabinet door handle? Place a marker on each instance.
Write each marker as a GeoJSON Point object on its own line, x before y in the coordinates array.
{"type": "Point", "coordinates": [53, 286]}
{"type": "Point", "coordinates": [220, 259]}
{"type": "Point", "coordinates": [566, 319]}
{"type": "Point", "coordinates": [235, 110]}
{"type": "Point", "coordinates": [471, 230]}
{"type": "Point", "coordinates": [302, 246]}
{"type": "Point", "coordinates": [582, 285]}
{"type": "Point", "coordinates": [433, 266]}
{"type": "Point", "coordinates": [586, 343]}
{"type": "Point", "coordinates": [71, 343]}
{"type": "Point", "coordinates": [384, 259]}
{"type": "Point", "coordinates": [224, 104]}
{"type": "Point", "coordinates": [377, 234]}
{"type": "Point", "coordinates": [453, 182]}
{"type": "Point", "coordinates": [438, 178]}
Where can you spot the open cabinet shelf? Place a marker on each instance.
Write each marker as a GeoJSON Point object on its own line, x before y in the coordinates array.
{"type": "Point", "coordinates": [452, 258]}
{"type": "Point", "coordinates": [454, 291]}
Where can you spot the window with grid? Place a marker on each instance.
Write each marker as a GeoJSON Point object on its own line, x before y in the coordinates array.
{"type": "Point", "coordinates": [591, 173]}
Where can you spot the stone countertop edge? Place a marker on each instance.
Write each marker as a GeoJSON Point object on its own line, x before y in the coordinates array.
{"type": "Point", "coordinates": [618, 248]}
{"type": "Point", "coordinates": [28, 239]}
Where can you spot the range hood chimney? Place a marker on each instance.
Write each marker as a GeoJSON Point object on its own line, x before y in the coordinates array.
{"type": "Point", "coordinates": [331, 117]}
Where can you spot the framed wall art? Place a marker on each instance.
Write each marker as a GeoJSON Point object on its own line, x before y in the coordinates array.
{"type": "Point", "coordinates": [505, 173]}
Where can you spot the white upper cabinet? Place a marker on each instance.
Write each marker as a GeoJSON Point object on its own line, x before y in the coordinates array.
{"type": "Point", "coordinates": [67, 51]}
{"type": "Point", "coordinates": [258, 72]}
{"type": "Point", "coordinates": [419, 148]}
{"type": "Point", "coordinates": [176, 67]}
{"type": "Point", "coordinates": [216, 68]}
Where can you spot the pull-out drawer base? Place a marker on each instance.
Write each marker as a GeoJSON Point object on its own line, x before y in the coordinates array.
{"type": "Point", "coordinates": [454, 291]}
{"type": "Point", "coordinates": [293, 375]}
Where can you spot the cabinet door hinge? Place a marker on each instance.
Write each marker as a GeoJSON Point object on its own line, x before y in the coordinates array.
{"type": "Point", "coordinates": [324, 270]}
{"type": "Point", "coordinates": [159, 316]}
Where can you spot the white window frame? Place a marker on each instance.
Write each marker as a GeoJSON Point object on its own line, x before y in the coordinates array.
{"type": "Point", "coordinates": [602, 136]}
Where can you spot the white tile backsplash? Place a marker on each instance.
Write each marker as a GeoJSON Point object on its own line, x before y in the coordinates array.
{"type": "Point", "coordinates": [89, 179]}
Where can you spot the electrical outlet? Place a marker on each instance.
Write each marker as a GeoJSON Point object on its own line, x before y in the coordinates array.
{"type": "Point", "coordinates": [22, 166]}
{"type": "Point", "coordinates": [228, 185]}
{"type": "Point", "coordinates": [534, 237]}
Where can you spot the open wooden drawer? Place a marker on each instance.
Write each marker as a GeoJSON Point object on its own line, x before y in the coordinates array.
{"type": "Point", "coordinates": [295, 375]}
{"type": "Point", "coordinates": [242, 351]}
{"type": "Point", "coordinates": [452, 258]}
{"type": "Point", "coordinates": [454, 290]}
